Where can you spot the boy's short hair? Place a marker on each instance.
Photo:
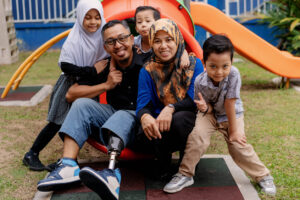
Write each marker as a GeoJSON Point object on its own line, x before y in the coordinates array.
{"type": "Point", "coordinates": [156, 13]}
{"type": "Point", "coordinates": [217, 44]}
{"type": "Point", "coordinates": [113, 23]}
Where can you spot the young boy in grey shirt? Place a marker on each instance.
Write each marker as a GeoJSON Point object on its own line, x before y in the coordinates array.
{"type": "Point", "coordinates": [217, 95]}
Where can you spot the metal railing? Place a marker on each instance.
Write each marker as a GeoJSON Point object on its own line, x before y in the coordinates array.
{"type": "Point", "coordinates": [43, 10]}
{"type": "Point", "coordinates": [238, 8]}
{"type": "Point", "coordinates": [64, 10]}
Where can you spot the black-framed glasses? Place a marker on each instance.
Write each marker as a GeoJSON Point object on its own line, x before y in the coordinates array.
{"type": "Point", "coordinates": [121, 39]}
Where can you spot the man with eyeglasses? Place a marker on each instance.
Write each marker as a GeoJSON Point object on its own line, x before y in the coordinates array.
{"type": "Point", "coordinates": [111, 124]}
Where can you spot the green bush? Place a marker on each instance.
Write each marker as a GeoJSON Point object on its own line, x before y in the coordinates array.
{"type": "Point", "coordinates": [285, 17]}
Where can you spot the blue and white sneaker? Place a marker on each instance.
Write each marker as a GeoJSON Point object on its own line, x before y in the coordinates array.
{"type": "Point", "coordinates": [65, 174]}
{"type": "Point", "coordinates": [105, 183]}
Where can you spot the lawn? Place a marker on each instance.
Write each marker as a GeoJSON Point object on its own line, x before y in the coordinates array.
{"type": "Point", "coordinates": [271, 121]}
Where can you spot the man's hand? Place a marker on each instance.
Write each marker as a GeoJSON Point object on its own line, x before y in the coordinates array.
{"type": "Point", "coordinates": [100, 65]}
{"type": "Point", "coordinates": [114, 78]}
{"type": "Point", "coordinates": [237, 137]}
{"type": "Point", "coordinates": [150, 127]}
{"type": "Point", "coordinates": [164, 119]}
{"type": "Point", "coordinates": [201, 104]}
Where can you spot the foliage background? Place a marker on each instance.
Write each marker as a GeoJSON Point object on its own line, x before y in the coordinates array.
{"type": "Point", "coordinates": [285, 17]}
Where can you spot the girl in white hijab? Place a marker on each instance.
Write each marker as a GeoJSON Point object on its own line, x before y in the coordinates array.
{"type": "Point", "coordinates": [80, 56]}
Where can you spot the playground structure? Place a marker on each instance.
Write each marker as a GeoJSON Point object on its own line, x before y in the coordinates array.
{"type": "Point", "coordinates": [245, 42]}
{"type": "Point", "coordinates": [9, 52]}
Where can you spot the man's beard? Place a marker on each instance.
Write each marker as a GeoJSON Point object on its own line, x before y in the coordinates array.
{"type": "Point", "coordinates": [124, 61]}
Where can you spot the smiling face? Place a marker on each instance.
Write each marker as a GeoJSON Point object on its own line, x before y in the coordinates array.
{"type": "Point", "coordinates": [144, 20]}
{"type": "Point", "coordinates": [121, 52]}
{"type": "Point", "coordinates": [218, 66]}
{"type": "Point", "coordinates": [164, 46]}
{"type": "Point", "coordinates": [92, 21]}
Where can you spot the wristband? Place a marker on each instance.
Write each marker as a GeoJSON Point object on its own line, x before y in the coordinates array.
{"type": "Point", "coordinates": [171, 106]}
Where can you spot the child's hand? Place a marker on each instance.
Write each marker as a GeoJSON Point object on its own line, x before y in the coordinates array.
{"type": "Point", "coordinates": [100, 65]}
{"type": "Point", "coordinates": [185, 60]}
{"type": "Point", "coordinates": [237, 137]}
{"type": "Point", "coordinates": [201, 104]}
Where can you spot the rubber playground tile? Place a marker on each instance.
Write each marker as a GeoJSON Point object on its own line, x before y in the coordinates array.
{"type": "Point", "coordinates": [20, 96]}
{"type": "Point", "coordinates": [213, 180]}
{"type": "Point", "coordinates": [209, 172]}
{"type": "Point", "coordinates": [213, 172]}
{"type": "Point", "coordinates": [125, 195]}
{"type": "Point", "coordinates": [24, 89]}
{"type": "Point", "coordinates": [22, 93]}
{"type": "Point", "coordinates": [199, 193]}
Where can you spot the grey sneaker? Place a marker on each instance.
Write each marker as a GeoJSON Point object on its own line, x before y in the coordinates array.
{"type": "Point", "coordinates": [178, 182]}
{"type": "Point", "coordinates": [267, 185]}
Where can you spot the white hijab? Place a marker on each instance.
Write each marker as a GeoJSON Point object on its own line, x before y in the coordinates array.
{"type": "Point", "coordinates": [82, 48]}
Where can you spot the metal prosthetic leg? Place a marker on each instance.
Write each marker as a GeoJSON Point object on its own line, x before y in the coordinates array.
{"type": "Point", "coordinates": [115, 146]}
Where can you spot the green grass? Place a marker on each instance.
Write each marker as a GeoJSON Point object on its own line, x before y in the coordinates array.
{"type": "Point", "coordinates": [272, 126]}
{"type": "Point", "coordinates": [44, 71]}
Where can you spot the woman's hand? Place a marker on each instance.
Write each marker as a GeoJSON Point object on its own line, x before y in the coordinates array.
{"type": "Point", "coordinates": [185, 60]}
{"type": "Point", "coordinates": [201, 104]}
{"type": "Point", "coordinates": [164, 119]}
{"type": "Point", "coordinates": [100, 65]}
{"type": "Point", "coordinates": [150, 127]}
{"type": "Point", "coordinates": [235, 136]}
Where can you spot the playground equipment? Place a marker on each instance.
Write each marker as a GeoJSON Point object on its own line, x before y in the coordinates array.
{"type": "Point", "coordinates": [8, 47]}
{"type": "Point", "coordinates": [246, 43]}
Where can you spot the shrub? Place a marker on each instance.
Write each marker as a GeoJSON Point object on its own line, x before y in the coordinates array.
{"type": "Point", "coordinates": [285, 17]}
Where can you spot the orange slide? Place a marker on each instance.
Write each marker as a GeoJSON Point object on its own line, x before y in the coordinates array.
{"type": "Point", "coordinates": [246, 42]}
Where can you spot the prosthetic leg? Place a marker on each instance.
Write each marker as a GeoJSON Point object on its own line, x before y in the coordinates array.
{"type": "Point", "coordinates": [106, 182]}
{"type": "Point", "coordinates": [114, 147]}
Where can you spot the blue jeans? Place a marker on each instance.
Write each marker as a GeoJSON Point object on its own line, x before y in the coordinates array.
{"type": "Point", "coordinates": [89, 118]}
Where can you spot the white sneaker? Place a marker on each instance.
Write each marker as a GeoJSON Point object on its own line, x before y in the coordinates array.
{"type": "Point", "coordinates": [178, 182]}
{"type": "Point", "coordinates": [267, 185]}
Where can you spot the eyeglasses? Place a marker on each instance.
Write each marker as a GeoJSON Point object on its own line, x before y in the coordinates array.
{"type": "Point", "coordinates": [121, 39]}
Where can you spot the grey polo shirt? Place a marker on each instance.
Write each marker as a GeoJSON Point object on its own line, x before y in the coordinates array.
{"type": "Point", "coordinates": [138, 44]}
{"type": "Point", "coordinates": [229, 88]}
